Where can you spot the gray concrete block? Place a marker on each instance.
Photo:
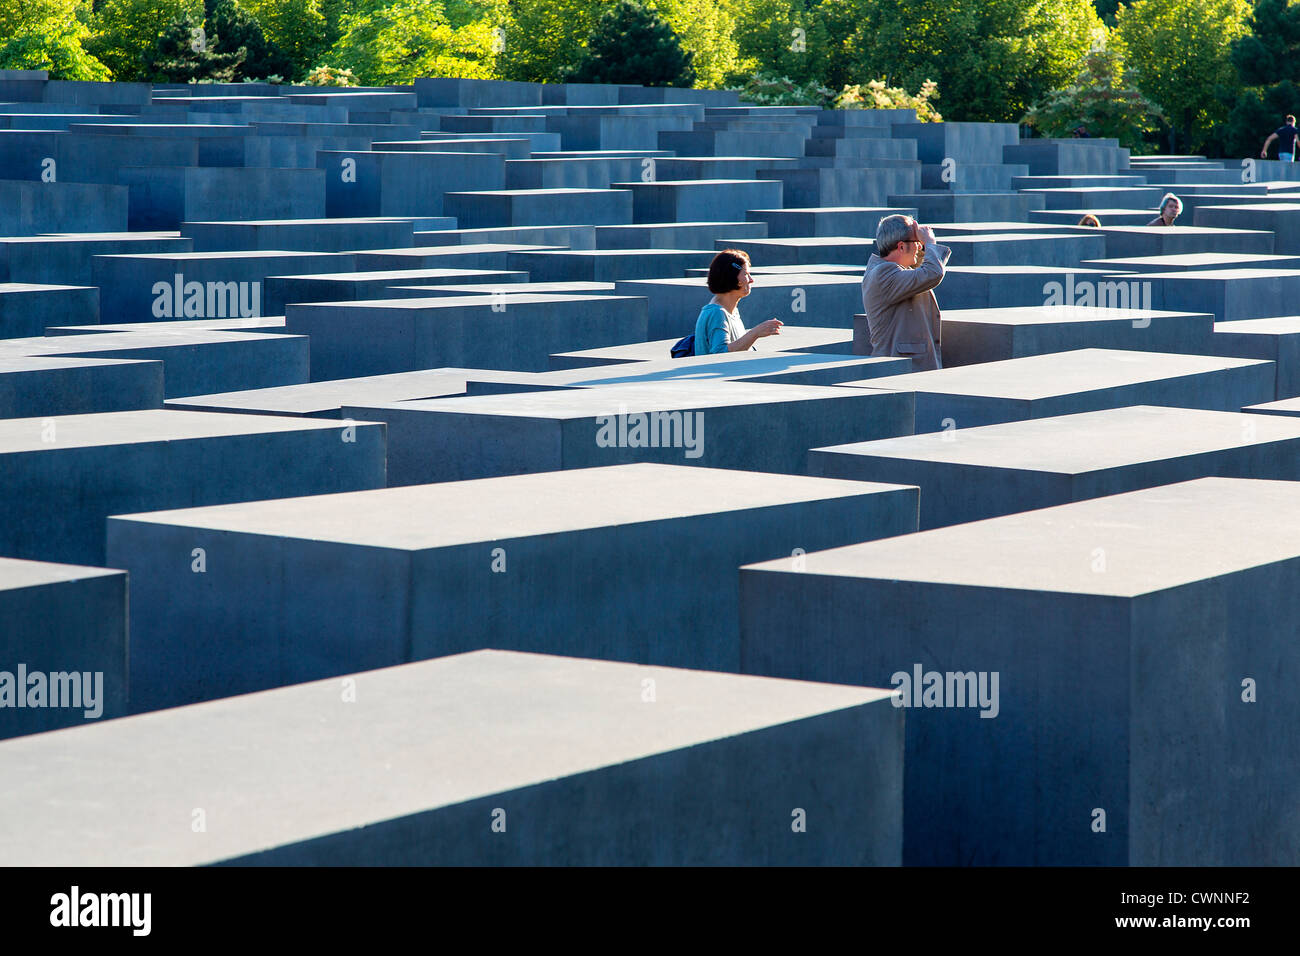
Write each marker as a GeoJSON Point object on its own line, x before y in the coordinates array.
{"type": "Point", "coordinates": [606, 265]}
{"type": "Point", "coordinates": [700, 200]}
{"type": "Point", "coordinates": [568, 237]}
{"type": "Point", "coordinates": [1280, 218]}
{"type": "Point", "coordinates": [83, 158]}
{"type": "Point", "coordinates": [31, 208]}
{"type": "Point", "coordinates": [540, 207]}
{"type": "Point", "coordinates": [280, 291]}
{"type": "Point", "coordinates": [536, 742]}
{"type": "Point", "coordinates": [64, 646]}
{"type": "Point", "coordinates": [326, 399]}
{"type": "Point", "coordinates": [31, 386]}
{"type": "Point", "coordinates": [1036, 248]}
{"type": "Point", "coordinates": [67, 259]}
{"type": "Point", "coordinates": [814, 250]}
{"type": "Point", "coordinates": [403, 183]}
{"type": "Point", "coordinates": [946, 206]}
{"type": "Point", "coordinates": [557, 531]}
{"type": "Point", "coordinates": [996, 287]}
{"type": "Point", "coordinates": [515, 332]}
{"type": "Point", "coordinates": [442, 91]}
{"type": "Point", "coordinates": [961, 142]}
{"type": "Point", "coordinates": [1196, 262]}
{"type": "Point", "coordinates": [843, 221]}
{"type": "Point", "coordinates": [1113, 630]}
{"type": "Point", "coordinates": [477, 255]}
{"type": "Point", "coordinates": [969, 474]}
{"type": "Point", "coordinates": [1068, 157]}
{"type": "Point", "coordinates": [58, 490]}
{"type": "Point", "coordinates": [307, 235]}
{"type": "Point", "coordinates": [1230, 294]}
{"type": "Point", "coordinates": [163, 197]}
{"type": "Point", "coordinates": [1274, 340]}
{"type": "Point", "coordinates": [792, 338]}
{"type": "Point", "coordinates": [27, 309]}
{"type": "Point", "coordinates": [1084, 380]}
{"type": "Point", "coordinates": [841, 187]}
{"type": "Point", "coordinates": [1099, 197]}
{"type": "Point", "coordinates": [195, 362]}
{"type": "Point", "coordinates": [579, 172]}
{"type": "Point", "coordinates": [823, 299]}
{"type": "Point", "coordinates": [196, 285]}
{"type": "Point", "coordinates": [1180, 240]}
{"type": "Point", "coordinates": [756, 427]}
{"type": "Point", "coordinates": [511, 149]}
{"type": "Point", "coordinates": [773, 368]}
{"type": "Point", "coordinates": [674, 235]}
{"type": "Point", "coordinates": [972, 336]}
{"type": "Point", "coordinates": [1107, 217]}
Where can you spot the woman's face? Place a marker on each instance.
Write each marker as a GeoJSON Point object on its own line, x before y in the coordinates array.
{"type": "Point", "coordinates": [745, 280]}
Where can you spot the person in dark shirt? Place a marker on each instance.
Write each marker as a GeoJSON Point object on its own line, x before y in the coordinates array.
{"type": "Point", "coordinates": [1285, 136]}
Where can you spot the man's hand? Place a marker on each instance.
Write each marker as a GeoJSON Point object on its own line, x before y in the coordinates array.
{"type": "Point", "coordinates": [926, 234]}
{"type": "Point", "coordinates": [1263, 154]}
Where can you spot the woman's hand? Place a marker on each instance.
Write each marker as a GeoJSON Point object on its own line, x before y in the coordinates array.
{"type": "Point", "coordinates": [770, 327]}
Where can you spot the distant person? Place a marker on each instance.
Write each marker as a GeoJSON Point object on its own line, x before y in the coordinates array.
{"type": "Point", "coordinates": [719, 329]}
{"type": "Point", "coordinates": [897, 292]}
{"type": "Point", "coordinates": [1286, 137]}
{"type": "Point", "coordinates": [1081, 132]}
{"type": "Point", "coordinates": [1090, 220]}
{"type": "Point", "coordinates": [1170, 208]}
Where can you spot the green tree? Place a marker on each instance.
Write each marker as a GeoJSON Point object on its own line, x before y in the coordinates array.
{"type": "Point", "coordinates": [545, 38]}
{"type": "Point", "coordinates": [631, 44]}
{"type": "Point", "coordinates": [784, 38]}
{"type": "Point", "coordinates": [235, 30]}
{"type": "Point", "coordinates": [992, 58]}
{"type": "Point", "coordinates": [126, 32]}
{"type": "Point", "coordinates": [48, 35]}
{"type": "Point", "coordinates": [1104, 98]}
{"type": "Point", "coordinates": [401, 41]}
{"type": "Point", "coordinates": [1268, 78]}
{"type": "Point", "coordinates": [294, 27]}
{"type": "Point", "coordinates": [707, 31]}
{"type": "Point", "coordinates": [186, 53]}
{"type": "Point", "coordinates": [1183, 50]}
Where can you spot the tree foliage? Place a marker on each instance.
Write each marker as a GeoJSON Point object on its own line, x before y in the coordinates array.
{"type": "Point", "coordinates": [48, 35]}
{"type": "Point", "coordinates": [126, 32]}
{"type": "Point", "coordinates": [1266, 61]}
{"type": "Point", "coordinates": [631, 44]}
{"type": "Point", "coordinates": [1104, 99]}
{"type": "Point", "coordinates": [296, 28]}
{"type": "Point", "coordinates": [992, 58]}
{"type": "Point", "coordinates": [397, 42]}
{"type": "Point", "coordinates": [1183, 51]}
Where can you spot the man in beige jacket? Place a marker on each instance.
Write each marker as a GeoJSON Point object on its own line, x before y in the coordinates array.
{"type": "Point", "coordinates": [902, 312]}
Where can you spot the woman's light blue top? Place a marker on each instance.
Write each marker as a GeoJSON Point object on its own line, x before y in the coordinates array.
{"type": "Point", "coordinates": [716, 328]}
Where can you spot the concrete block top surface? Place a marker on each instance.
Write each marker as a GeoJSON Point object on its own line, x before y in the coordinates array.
{"type": "Point", "coordinates": [18, 435]}
{"type": "Point", "coordinates": [1056, 315]}
{"type": "Point", "coordinates": [1196, 260]}
{"type": "Point", "coordinates": [1055, 373]}
{"type": "Point", "coordinates": [1224, 275]}
{"type": "Point", "coordinates": [791, 337]}
{"type": "Point", "coordinates": [485, 301]}
{"type": "Point", "coordinates": [568, 404]}
{"type": "Point", "coordinates": [16, 574]}
{"type": "Point", "coordinates": [1153, 540]}
{"type": "Point", "coordinates": [697, 368]}
{"type": "Point", "coordinates": [312, 397]}
{"type": "Point", "coordinates": [1084, 443]}
{"type": "Point", "coordinates": [449, 514]}
{"type": "Point", "coordinates": [1279, 325]}
{"type": "Point", "coordinates": [420, 736]}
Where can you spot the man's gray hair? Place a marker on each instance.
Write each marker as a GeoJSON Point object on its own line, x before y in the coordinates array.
{"type": "Point", "coordinates": [891, 231]}
{"type": "Point", "coordinates": [1165, 198]}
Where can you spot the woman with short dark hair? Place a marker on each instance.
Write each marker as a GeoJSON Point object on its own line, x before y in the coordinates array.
{"type": "Point", "coordinates": [718, 328]}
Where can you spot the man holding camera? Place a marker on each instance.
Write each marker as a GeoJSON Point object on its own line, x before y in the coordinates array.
{"type": "Point", "coordinates": [897, 292]}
